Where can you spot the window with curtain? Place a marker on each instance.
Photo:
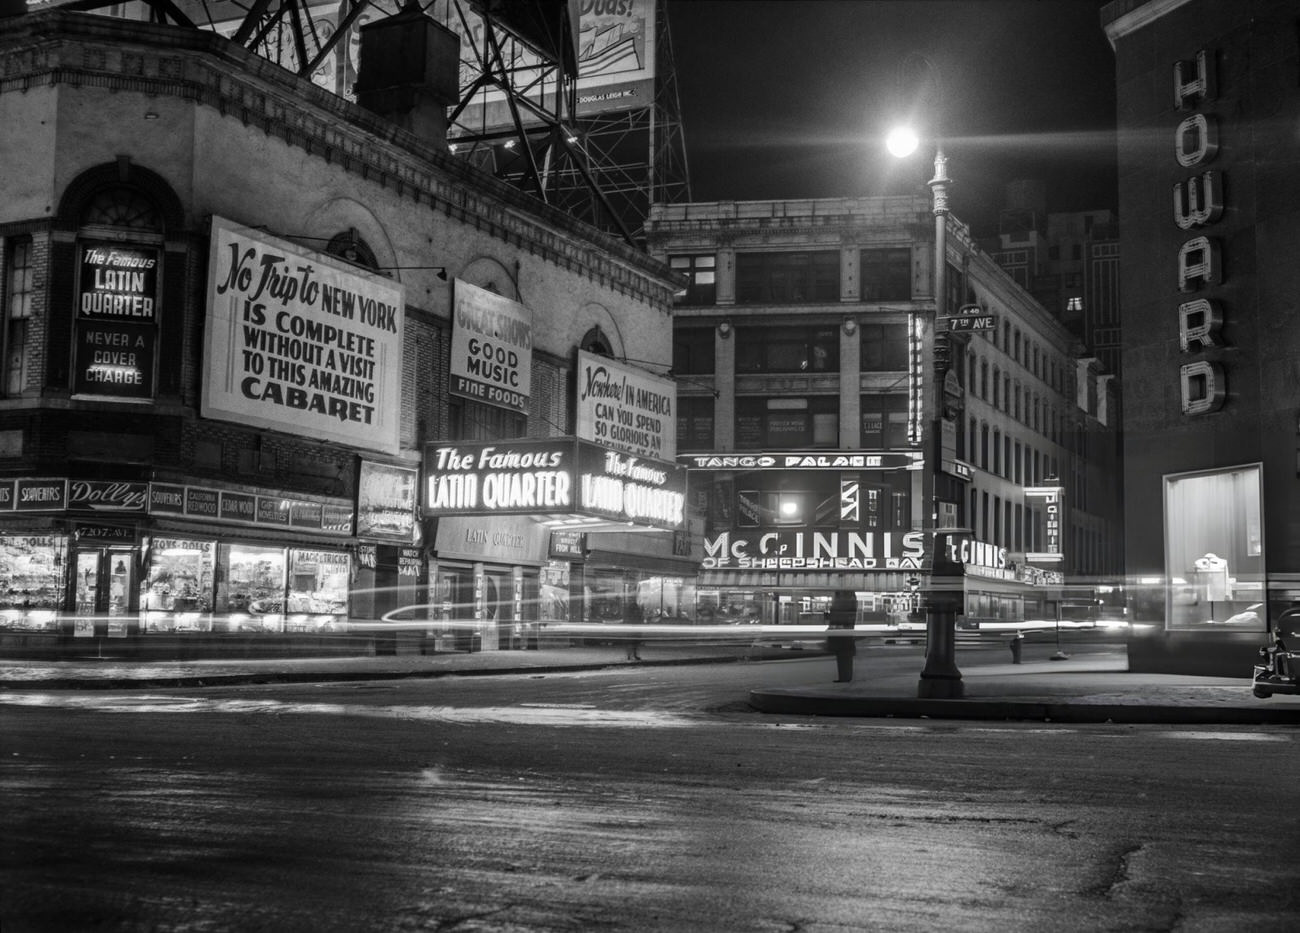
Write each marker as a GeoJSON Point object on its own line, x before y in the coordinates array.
{"type": "Point", "coordinates": [694, 423]}
{"type": "Point", "coordinates": [1214, 550]}
{"type": "Point", "coordinates": [884, 348]}
{"type": "Point", "coordinates": [701, 274]}
{"type": "Point", "coordinates": [886, 274]}
{"type": "Point", "coordinates": [18, 298]}
{"type": "Point", "coordinates": [884, 422]}
{"type": "Point", "coordinates": [786, 423]}
{"type": "Point", "coordinates": [693, 350]}
{"type": "Point", "coordinates": [787, 278]}
{"type": "Point", "coordinates": [787, 349]}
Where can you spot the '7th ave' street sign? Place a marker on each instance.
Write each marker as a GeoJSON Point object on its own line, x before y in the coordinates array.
{"type": "Point", "coordinates": [971, 317]}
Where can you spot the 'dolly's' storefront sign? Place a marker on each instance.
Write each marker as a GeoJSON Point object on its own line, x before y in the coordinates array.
{"type": "Point", "coordinates": [300, 342]}
{"type": "Point", "coordinates": [553, 477]}
{"type": "Point", "coordinates": [117, 324]}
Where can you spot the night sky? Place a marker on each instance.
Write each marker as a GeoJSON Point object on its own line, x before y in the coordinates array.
{"type": "Point", "coordinates": [790, 98]}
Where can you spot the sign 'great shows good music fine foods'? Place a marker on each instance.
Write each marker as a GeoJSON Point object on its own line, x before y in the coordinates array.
{"type": "Point", "coordinates": [491, 348]}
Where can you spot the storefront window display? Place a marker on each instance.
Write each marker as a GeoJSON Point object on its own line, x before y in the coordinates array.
{"type": "Point", "coordinates": [318, 582]}
{"type": "Point", "coordinates": [606, 597]}
{"type": "Point", "coordinates": [1214, 549]}
{"type": "Point", "coordinates": [32, 581]}
{"type": "Point", "coordinates": [176, 594]}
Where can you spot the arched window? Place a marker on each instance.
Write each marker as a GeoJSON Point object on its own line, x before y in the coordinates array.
{"type": "Point", "coordinates": [596, 341]}
{"type": "Point", "coordinates": [349, 245]}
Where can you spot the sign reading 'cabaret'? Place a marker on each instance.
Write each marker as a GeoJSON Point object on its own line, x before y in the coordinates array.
{"type": "Point", "coordinates": [557, 476]}
{"type": "Point", "coordinates": [300, 342]}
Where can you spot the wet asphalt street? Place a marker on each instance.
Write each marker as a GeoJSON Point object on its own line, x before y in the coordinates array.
{"type": "Point", "coordinates": [625, 799]}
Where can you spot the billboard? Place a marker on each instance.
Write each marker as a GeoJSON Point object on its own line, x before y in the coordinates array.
{"type": "Point", "coordinates": [300, 342]}
{"type": "Point", "coordinates": [616, 63]}
{"type": "Point", "coordinates": [626, 408]}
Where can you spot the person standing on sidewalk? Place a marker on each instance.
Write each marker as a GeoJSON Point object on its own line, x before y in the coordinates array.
{"type": "Point", "coordinates": [634, 617]}
{"type": "Point", "coordinates": [843, 614]}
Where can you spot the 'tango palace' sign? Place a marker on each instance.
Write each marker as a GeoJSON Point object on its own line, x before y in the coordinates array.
{"type": "Point", "coordinates": [625, 407]}
{"type": "Point", "coordinates": [560, 476]}
{"type": "Point", "coordinates": [300, 342]}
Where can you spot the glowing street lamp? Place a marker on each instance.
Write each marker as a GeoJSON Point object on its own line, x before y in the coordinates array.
{"type": "Point", "coordinates": [940, 678]}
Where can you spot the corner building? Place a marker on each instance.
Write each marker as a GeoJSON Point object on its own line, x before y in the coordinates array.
{"type": "Point", "coordinates": [1209, 194]}
{"type": "Point", "coordinates": [238, 311]}
{"type": "Point", "coordinates": [802, 353]}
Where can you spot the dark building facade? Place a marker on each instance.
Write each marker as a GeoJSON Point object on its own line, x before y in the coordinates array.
{"type": "Point", "coordinates": [252, 333]}
{"type": "Point", "coordinates": [1209, 177]}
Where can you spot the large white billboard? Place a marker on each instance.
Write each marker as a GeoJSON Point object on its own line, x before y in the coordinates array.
{"type": "Point", "coordinates": [626, 408]}
{"type": "Point", "coordinates": [300, 342]}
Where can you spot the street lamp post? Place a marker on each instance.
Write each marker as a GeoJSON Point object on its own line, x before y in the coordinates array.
{"type": "Point", "coordinates": [940, 677]}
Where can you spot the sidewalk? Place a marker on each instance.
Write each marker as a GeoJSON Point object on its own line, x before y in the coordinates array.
{"type": "Point", "coordinates": [1091, 686]}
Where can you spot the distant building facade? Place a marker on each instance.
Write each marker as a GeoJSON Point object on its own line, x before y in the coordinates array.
{"type": "Point", "coordinates": [1069, 262]}
{"type": "Point", "coordinates": [1209, 178]}
{"type": "Point", "coordinates": [800, 358]}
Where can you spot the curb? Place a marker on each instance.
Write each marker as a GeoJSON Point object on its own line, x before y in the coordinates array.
{"type": "Point", "coordinates": [1023, 710]}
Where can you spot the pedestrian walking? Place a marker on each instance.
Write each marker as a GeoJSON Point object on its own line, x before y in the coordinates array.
{"type": "Point", "coordinates": [843, 614]}
{"type": "Point", "coordinates": [634, 618]}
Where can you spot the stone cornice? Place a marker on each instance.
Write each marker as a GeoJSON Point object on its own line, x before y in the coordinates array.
{"type": "Point", "coordinates": [60, 48]}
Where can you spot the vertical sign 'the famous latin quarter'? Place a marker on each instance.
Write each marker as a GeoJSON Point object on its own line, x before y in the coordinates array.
{"type": "Point", "coordinates": [300, 342]}
{"type": "Point", "coordinates": [491, 348]}
{"type": "Point", "coordinates": [117, 322]}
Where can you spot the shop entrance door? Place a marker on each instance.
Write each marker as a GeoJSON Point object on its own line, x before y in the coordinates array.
{"type": "Point", "coordinates": [497, 608]}
{"type": "Point", "coordinates": [103, 592]}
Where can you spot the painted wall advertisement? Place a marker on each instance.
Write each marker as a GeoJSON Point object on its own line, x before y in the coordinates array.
{"type": "Point", "coordinates": [491, 348]}
{"type": "Point", "coordinates": [627, 408]}
{"type": "Point", "coordinates": [300, 342]}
